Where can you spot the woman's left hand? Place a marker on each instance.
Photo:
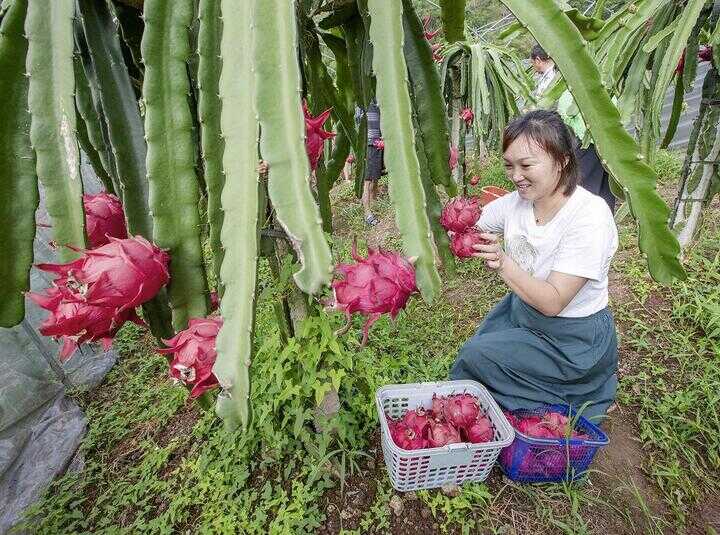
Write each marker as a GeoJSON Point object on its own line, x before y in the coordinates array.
{"type": "Point", "coordinates": [491, 252]}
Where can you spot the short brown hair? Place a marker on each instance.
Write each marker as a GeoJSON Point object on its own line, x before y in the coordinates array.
{"type": "Point", "coordinates": [548, 130]}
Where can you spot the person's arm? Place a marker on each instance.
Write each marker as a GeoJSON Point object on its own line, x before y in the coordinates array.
{"type": "Point", "coordinates": [549, 296]}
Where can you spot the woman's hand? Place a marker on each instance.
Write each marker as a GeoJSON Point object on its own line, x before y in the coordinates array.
{"type": "Point", "coordinates": [491, 252]}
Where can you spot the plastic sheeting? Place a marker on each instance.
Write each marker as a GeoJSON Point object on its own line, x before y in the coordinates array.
{"type": "Point", "coordinates": [40, 428]}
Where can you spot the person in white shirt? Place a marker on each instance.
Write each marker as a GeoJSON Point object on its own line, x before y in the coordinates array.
{"type": "Point", "coordinates": [552, 339]}
{"type": "Point", "coordinates": [545, 71]}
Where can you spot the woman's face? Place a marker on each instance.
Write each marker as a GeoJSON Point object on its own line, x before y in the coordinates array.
{"type": "Point", "coordinates": [533, 171]}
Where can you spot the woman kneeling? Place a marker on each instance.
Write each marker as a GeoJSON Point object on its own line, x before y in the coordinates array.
{"type": "Point", "coordinates": [552, 338]}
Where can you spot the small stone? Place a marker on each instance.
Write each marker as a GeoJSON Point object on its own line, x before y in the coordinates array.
{"type": "Point", "coordinates": [346, 514]}
{"type": "Point", "coordinates": [396, 504]}
{"type": "Point", "coordinates": [371, 464]}
{"type": "Point", "coordinates": [411, 495]}
{"type": "Point", "coordinates": [425, 513]}
{"type": "Point", "coordinates": [451, 490]}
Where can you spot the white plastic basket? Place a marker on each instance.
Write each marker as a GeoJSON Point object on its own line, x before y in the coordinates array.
{"type": "Point", "coordinates": [452, 464]}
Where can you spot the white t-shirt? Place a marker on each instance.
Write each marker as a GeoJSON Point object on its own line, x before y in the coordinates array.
{"type": "Point", "coordinates": [580, 240]}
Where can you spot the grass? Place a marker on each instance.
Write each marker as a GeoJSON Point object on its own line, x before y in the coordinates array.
{"type": "Point", "coordinates": [155, 463]}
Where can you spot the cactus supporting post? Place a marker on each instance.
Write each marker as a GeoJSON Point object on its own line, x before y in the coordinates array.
{"type": "Point", "coordinates": [19, 197]}
{"type": "Point", "coordinates": [173, 185]}
{"type": "Point", "coordinates": [49, 30]}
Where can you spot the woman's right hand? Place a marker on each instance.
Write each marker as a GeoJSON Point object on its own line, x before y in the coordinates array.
{"type": "Point", "coordinates": [492, 252]}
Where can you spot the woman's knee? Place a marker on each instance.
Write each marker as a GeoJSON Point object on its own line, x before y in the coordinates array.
{"type": "Point", "coordinates": [470, 362]}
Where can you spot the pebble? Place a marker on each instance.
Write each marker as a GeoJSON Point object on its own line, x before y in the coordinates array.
{"type": "Point", "coordinates": [451, 490]}
{"type": "Point", "coordinates": [396, 504]}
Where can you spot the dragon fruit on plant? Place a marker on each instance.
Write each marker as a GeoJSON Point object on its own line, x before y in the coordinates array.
{"type": "Point", "coordinates": [467, 115]}
{"type": "Point", "coordinates": [460, 213]}
{"type": "Point", "coordinates": [104, 217]}
{"type": "Point", "coordinates": [92, 297]}
{"type": "Point", "coordinates": [315, 136]}
{"type": "Point", "coordinates": [76, 322]}
{"type": "Point", "coordinates": [193, 354]}
{"type": "Point", "coordinates": [379, 144]}
{"type": "Point", "coordinates": [380, 284]}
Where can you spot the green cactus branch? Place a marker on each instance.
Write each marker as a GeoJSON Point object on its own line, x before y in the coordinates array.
{"type": "Point", "coordinates": [406, 190]}
{"type": "Point", "coordinates": [452, 13]}
{"type": "Point", "coordinates": [49, 30]}
{"type": "Point", "coordinates": [19, 197]}
{"type": "Point", "coordinates": [174, 189]}
{"type": "Point", "coordinates": [282, 145]}
{"type": "Point", "coordinates": [619, 151]}
{"type": "Point", "coordinates": [241, 202]}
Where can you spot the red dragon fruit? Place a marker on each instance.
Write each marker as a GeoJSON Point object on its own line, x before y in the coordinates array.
{"type": "Point", "coordinates": [438, 404]}
{"type": "Point", "coordinates": [104, 217]}
{"type": "Point", "coordinates": [214, 301]}
{"type": "Point", "coordinates": [315, 136]}
{"type": "Point", "coordinates": [122, 274]}
{"type": "Point", "coordinates": [461, 410]}
{"type": "Point", "coordinates": [379, 144]}
{"type": "Point", "coordinates": [380, 284]}
{"type": "Point", "coordinates": [405, 437]}
{"type": "Point", "coordinates": [194, 354]}
{"type": "Point", "coordinates": [454, 157]}
{"type": "Point", "coordinates": [460, 213]}
{"type": "Point", "coordinates": [475, 180]}
{"type": "Point", "coordinates": [418, 420]}
{"type": "Point", "coordinates": [705, 53]}
{"type": "Point", "coordinates": [76, 322]}
{"type": "Point", "coordinates": [467, 115]}
{"type": "Point", "coordinates": [462, 243]}
{"type": "Point", "coordinates": [480, 430]}
{"type": "Point", "coordinates": [442, 433]}
{"type": "Point", "coordinates": [429, 35]}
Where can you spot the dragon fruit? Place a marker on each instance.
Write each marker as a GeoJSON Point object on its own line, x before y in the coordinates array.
{"type": "Point", "coordinates": [418, 420]}
{"type": "Point", "coordinates": [380, 284]}
{"type": "Point", "coordinates": [429, 35]}
{"type": "Point", "coordinates": [442, 433]}
{"type": "Point", "coordinates": [461, 410]}
{"type": "Point", "coordinates": [462, 243]}
{"type": "Point", "coordinates": [193, 354]}
{"type": "Point", "coordinates": [475, 180]}
{"type": "Point", "coordinates": [705, 53]}
{"type": "Point", "coordinates": [460, 213]}
{"type": "Point", "coordinates": [122, 274]}
{"type": "Point", "coordinates": [438, 404]}
{"type": "Point", "coordinates": [76, 322]}
{"type": "Point", "coordinates": [406, 437]}
{"type": "Point", "coordinates": [315, 136]}
{"type": "Point", "coordinates": [480, 430]}
{"type": "Point", "coordinates": [104, 217]}
{"type": "Point", "coordinates": [454, 157]}
{"type": "Point", "coordinates": [379, 144]}
{"type": "Point", "coordinates": [467, 115]}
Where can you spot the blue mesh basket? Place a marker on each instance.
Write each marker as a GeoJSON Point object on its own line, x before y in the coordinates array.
{"type": "Point", "coordinates": [536, 460]}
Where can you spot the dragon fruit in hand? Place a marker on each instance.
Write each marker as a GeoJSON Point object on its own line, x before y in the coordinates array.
{"type": "Point", "coordinates": [462, 243]}
{"type": "Point", "coordinates": [104, 217]}
{"type": "Point", "coordinates": [380, 284]}
{"type": "Point", "coordinates": [193, 354]}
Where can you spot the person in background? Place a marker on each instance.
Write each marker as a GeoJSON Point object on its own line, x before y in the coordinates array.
{"type": "Point", "coordinates": [595, 178]}
{"type": "Point", "coordinates": [552, 338]}
{"type": "Point", "coordinates": [375, 164]}
{"type": "Point", "coordinates": [545, 71]}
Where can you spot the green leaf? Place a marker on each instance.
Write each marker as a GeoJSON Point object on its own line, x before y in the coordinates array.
{"type": "Point", "coordinates": [49, 31]}
{"type": "Point", "coordinates": [406, 191]}
{"type": "Point", "coordinates": [19, 197]}
{"type": "Point", "coordinates": [281, 144]}
{"type": "Point", "coordinates": [174, 188]}
{"type": "Point", "coordinates": [620, 153]}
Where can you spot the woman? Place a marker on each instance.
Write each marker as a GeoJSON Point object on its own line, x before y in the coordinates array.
{"type": "Point", "coordinates": [552, 339]}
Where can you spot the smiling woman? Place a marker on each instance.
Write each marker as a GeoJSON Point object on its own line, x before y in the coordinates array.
{"type": "Point", "coordinates": [552, 339]}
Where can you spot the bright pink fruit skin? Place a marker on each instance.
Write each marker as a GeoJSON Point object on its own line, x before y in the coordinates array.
{"type": "Point", "coordinates": [380, 284]}
{"type": "Point", "coordinates": [315, 136]}
{"type": "Point", "coordinates": [460, 213]}
{"type": "Point", "coordinates": [461, 410]}
{"type": "Point", "coordinates": [379, 144]}
{"type": "Point", "coordinates": [104, 217]}
{"type": "Point", "coordinates": [94, 295]}
{"type": "Point", "coordinates": [480, 431]}
{"type": "Point", "coordinates": [475, 180]}
{"type": "Point", "coordinates": [462, 243]}
{"type": "Point", "coordinates": [442, 434]}
{"type": "Point", "coordinates": [418, 420]}
{"type": "Point", "coordinates": [194, 354]}
{"type": "Point", "coordinates": [121, 274]}
{"type": "Point", "coordinates": [454, 157]}
{"type": "Point", "coordinates": [467, 115]}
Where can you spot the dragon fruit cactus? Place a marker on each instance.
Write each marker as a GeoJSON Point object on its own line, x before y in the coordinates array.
{"type": "Point", "coordinates": [460, 213]}
{"type": "Point", "coordinates": [315, 136]}
{"type": "Point", "coordinates": [380, 284]}
{"type": "Point", "coordinates": [463, 243]}
{"type": "Point", "coordinates": [193, 354]}
{"type": "Point", "coordinates": [104, 217]}
{"type": "Point", "coordinates": [92, 297]}
{"type": "Point", "coordinates": [467, 115]}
